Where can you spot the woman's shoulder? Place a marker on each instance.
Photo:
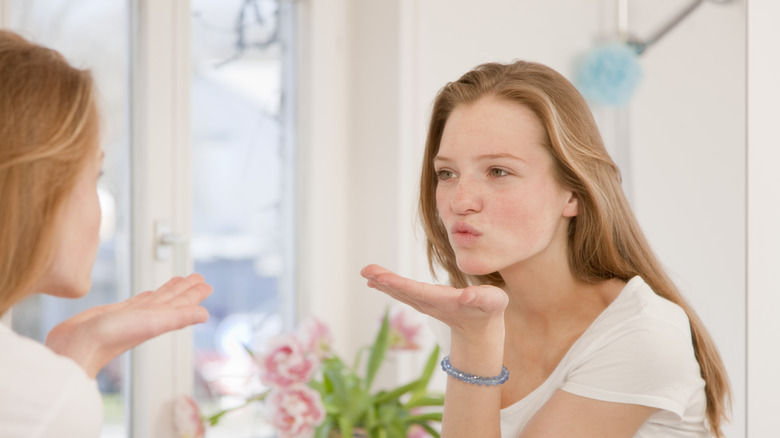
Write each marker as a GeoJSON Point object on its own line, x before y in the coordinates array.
{"type": "Point", "coordinates": [43, 393]}
{"type": "Point", "coordinates": [640, 351]}
{"type": "Point", "coordinates": [639, 326]}
{"type": "Point", "coordinates": [638, 305]}
{"type": "Point", "coordinates": [30, 356]}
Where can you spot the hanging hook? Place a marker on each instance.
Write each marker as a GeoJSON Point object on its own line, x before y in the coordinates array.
{"type": "Point", "coordinates": [641, 45]}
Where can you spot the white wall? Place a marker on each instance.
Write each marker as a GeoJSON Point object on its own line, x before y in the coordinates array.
{"type": "Point", "coordinates": [688, 152]}
{"type": "Point", "coordinates": [763, 210]}
{"type": "Point", "coordinates": [687, 142]}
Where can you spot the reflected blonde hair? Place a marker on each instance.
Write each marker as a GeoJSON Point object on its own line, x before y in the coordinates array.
{"type": "Point", "coordinates": [604, 239]}
{"type": "Point", "coordinates": [48, 130]}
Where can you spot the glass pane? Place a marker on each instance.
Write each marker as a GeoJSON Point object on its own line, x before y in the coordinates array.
{"type": "Point", "coordinates": [242, 181]}
{"type": "Point", "coordinates": [71, 27]}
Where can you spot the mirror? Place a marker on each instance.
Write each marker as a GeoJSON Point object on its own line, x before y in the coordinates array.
{"type": "Point", "coordinates": [680, 141]}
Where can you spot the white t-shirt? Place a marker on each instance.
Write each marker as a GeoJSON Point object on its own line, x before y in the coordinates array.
{"type": "Point", "coordinates": [43, 394]}
{"type": "Point", "coordinates": [638, 351]}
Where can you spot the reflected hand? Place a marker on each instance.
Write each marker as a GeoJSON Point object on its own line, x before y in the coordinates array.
{"type": "Point", "coordinates": [469, 312]}
{"type": "Point", "coordinates": [94, 337]}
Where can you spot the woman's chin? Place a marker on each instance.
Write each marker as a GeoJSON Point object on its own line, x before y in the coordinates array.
{"type": "Point", "coordinates": [72, 291]}
{"type": "Point", "coordinates": [475, 268]}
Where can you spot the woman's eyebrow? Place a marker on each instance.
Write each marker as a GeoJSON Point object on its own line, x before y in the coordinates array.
{"type": "Point", "coordinates": [482, 157]}
{"type": "Point", "coordinates": [499, 156]}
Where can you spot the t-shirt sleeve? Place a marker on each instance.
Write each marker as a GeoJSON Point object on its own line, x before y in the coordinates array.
{"type": "Point", "coordinates": [650, 362]}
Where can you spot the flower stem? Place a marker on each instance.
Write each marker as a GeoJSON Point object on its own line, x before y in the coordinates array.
{"type": "Point", "coordinates": [214, 419]}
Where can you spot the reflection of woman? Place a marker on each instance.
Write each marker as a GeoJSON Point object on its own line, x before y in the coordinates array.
{"type": "Point", "coordinates": [50, 161]}
{"type": "Point", "coordinates": [551, 275]}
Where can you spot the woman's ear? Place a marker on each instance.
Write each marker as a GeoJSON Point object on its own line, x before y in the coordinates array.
{"type": "Point", "coordinates": [572, 207]}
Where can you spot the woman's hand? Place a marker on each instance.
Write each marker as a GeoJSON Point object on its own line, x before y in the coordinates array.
{"type": "Point", "coordinates": [476, 318]}
{"type": "Point", "coordinates": [469, 312]}
{"type": "Point", "coordinates": [94, 337]}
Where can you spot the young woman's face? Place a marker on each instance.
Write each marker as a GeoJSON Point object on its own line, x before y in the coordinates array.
{"type": "Point", "coordinates": [70, 275]}
{"type": "Point", "coordinates": [497, 194]}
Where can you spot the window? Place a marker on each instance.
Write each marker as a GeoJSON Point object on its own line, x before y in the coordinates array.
{"type": "Point", "coordinates": [242, 193]}
{"type": "Point", "coordinates": [240, 182]}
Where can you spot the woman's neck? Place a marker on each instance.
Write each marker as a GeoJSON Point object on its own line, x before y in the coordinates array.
{"type": "Point", "coordinates": [546, 297]}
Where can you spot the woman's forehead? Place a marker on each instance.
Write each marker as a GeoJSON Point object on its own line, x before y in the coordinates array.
{"type": "Point", "coordinates": [491, 127]}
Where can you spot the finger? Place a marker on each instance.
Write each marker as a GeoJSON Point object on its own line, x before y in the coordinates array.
{"type": "Point", "coordinates": [177, 285]}
{"type": "Point", "coordinates": [158, 322]}
{"type": "Point", "coordinates": [400, 298]}
{"type": "Point", "coordinates": [371, 271]}
{"type": "Point", "coordinates": [192, 296]}
{"type": "Point", "coordinates": [168, 285]}
{"type": "Point", "coordinates": [180, 318]}
{"type": "Point", "coordinates": [486, 298]}
{"type": "Point", "coordinates": [190, 315]}
{"type": "Point", "coordinates": [415, 289]}
{"type": "Point", "coordinates": [139, 298]}
{"type": "Point", "coordinates": [437, 301]}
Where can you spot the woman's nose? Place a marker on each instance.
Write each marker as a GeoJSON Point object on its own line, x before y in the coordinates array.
{"type": "Point", "coordinates": [466, 198]}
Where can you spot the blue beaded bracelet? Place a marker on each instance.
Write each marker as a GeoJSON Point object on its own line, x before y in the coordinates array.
{"type": "Point", "coordinates": [470, 378]}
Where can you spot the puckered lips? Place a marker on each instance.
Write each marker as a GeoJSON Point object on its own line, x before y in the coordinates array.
{"type": "Point", "coordinates": [464, 234]}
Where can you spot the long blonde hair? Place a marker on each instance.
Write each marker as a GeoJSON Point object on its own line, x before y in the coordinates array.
{"type": "Point", "coordinates": [605, 240]}
{"type": "Point", "coordinates": [48, 129]}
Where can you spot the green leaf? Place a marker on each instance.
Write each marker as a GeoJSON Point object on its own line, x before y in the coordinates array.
{"type": "Point", "coordinates": [359, 357]}
{"type": "Point", "coordinates": [395, 432]}
{"type": "Point", "coordinates": [417, 401]}
{"type": "Point", "coordinates": [384, 397]}
{"type": "Point", "coordinates": [358, 404]}
{"type": "Point", "coordinates": [430, 366]}
{"type": "Point", "coordinates": [371, 420]}
{"type": "Point", "coordinates": [333, 374]}
{"type": "Point", "coordinates": [345, 427]}
{"type": "Point", "coordinates": [378, 350]}
{"type": "Point", "coordinates": [323, 430]}
{"type": "Point", "coordinates": [390, 413]}
{"type": "Point", "coordinates": [421, 418]}
{"type": "Point", "coordinates": [392, 422]}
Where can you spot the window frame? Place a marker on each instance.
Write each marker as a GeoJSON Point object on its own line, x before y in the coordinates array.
{"type": "Point", "coordinates": [160, 369]}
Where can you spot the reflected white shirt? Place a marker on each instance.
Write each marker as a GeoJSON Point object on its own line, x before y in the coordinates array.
{"type": "Point", "coordinates": [638, 351]}
{"type": "Point", "coordinates": [43, 394]}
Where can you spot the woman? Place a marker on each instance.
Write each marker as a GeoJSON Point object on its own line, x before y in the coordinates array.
{"type": "Point", "coordinates": [553, 283]}
{"type": "Point", "coordinates": [50, 161]}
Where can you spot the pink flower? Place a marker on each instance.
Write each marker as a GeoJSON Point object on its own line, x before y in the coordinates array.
{"type": "Point", "coordinates": [286, 362]}
{"type": "Point", "coordinates": [316, 337]}
{"type": "Point", "coordinates": [403, 334]}
{"type": "Point", "coordinates": [187, 419]}
{"type": "Point", "coordinates": [295, 411]}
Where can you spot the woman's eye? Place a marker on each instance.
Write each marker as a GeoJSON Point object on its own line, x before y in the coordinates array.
{"type": "Point", "coordinates": [498, 172]}
{"type": "Point", "coordinates": [444, 175]}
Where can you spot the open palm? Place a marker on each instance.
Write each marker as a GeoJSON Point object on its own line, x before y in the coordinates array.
{"type": "Point", "coordinates": [466, 310]}
{"type": "Point", "coordinates": [93, 337]}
